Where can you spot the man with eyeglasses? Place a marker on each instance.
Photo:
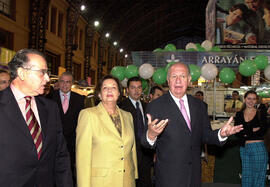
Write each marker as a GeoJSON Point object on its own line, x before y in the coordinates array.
{"type": "Point", "coordinates": [4, 79]}
{"type": "Point", "coordinates": [70, 105]}
{"type": "Point", "coordinates": [33, 149]}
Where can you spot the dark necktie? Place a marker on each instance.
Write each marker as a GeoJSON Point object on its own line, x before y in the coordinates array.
{"type": "Point", "coordinates": [140, 124]}
{"type": "Point", "coordinates": [233, 106]}
{"type": "Point", "coordinates": [33, 126]}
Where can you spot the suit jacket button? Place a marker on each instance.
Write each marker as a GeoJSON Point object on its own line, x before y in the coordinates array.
{"type": "Point", "coordinates": [124, 170]}
{"type": "Point", "coordinates": [122, 158]}
{"type": "Point", "coordinates": [189, 163]}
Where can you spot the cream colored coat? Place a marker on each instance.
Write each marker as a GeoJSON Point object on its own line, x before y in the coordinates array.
{"type": "Point", "coordinates": [103, 157]}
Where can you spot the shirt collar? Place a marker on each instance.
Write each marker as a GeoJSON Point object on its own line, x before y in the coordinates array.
{"type": "Point", "coordinates": [177, 99]}
{"type": "Point", "coordinates": [62, 93]}
{"type": "Point", "coordinates": [134, 102]}
{"type": "Point", "coordinates": [17, 93]}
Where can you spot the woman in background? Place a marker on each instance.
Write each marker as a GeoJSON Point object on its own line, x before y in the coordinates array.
{"type": "Point", "coordinates": [252, 150]}
{"type": "Point", "coordinates": [105, 143]}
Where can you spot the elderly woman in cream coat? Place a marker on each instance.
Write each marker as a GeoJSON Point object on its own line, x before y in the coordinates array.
{"type": "Point", "coordinates": [105, 143]}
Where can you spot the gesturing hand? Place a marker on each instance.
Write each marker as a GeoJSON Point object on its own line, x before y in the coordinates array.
{"type": "Point", "coordinates": [228, 130]}
{"type": "Point", "coordinates": [154, 128]}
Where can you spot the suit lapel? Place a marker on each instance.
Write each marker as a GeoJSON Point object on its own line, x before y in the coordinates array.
{"type": "Point", "coordinates": [43, 117]}
{"type": "Point", "coordinates": [71, 102]}
{"type": "Point", "coordinates": [12, 111]}
{"type": "Point", "coordinates": [192, 110]}
{"type": "Point", "coordinates": [109, 123]}
{"type": "Point", "coordinates": [174, 109]}
{"type": "Point", "coordinates": [58, 100]}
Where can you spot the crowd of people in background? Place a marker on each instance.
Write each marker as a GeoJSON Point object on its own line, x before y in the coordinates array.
{"type": "Point", "coordinates": [52, 139]}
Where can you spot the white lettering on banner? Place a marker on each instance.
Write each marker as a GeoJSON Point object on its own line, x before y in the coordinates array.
{"type": "Point", "coordinates": [224, 59]}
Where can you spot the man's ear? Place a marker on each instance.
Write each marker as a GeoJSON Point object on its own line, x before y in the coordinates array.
{"type": "Point", "coordinates": [21, 73]}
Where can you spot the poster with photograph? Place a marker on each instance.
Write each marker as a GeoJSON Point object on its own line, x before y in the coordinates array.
{"type": "Point", "coordinates": [242, 24]}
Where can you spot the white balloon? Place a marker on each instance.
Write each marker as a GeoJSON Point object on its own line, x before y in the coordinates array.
{"type": "Point", "coordinates": [207, 45]}
{"type": "Point", "coordinates": [191, 46]}
{"type": "Point", "coordinates": [267, 72]}
{"type": "Point", "coordinates": [209, 71]}
{"type": "Point", "coordinates": [146, 71]}
{"type": "Point", "coordinates": [124, 82]}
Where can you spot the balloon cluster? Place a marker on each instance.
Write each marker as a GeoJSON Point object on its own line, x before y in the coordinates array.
{"type": "Point", "coordinates": [208, 71]}
{"type": "Point", "coordinates": [204, 46]}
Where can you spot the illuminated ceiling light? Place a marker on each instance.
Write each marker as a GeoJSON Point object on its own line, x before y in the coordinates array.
{"type": "Point", "coordinates": [115, 43]}
{"type": "Point", "coordinates": [83, 7]}
{"type": "Point", "coordinates": [107, 35]}
{"type": "Point", "coordinates": [121, 50]}
{"type": "Point", "coordinates": [96, 23]}
{"type": "Point", "coordinates": [126, 55]}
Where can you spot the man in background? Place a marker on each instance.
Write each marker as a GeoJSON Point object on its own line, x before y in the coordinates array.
{"type": "Point", "coordinates": [136, 107]}
{"type": "Point", "coordinates": [70, 105]}
{"type": "Point", "coordinates": [33, 149]}
{"type": "Point", "coordinates": [234, 105]}
{"type": "Point", "coordinates": [155, 92]}
{"type": "Point", "coordinates": [200, 95]}
{"type": "Point", "coordinates": [4, 79]}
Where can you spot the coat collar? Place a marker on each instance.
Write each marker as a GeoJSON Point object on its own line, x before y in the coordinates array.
{"type": "Point", "coordinates": [110, 124]}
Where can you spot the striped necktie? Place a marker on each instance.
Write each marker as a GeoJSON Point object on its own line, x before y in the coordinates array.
{"type": "Point", "coordinates": [33, 126]}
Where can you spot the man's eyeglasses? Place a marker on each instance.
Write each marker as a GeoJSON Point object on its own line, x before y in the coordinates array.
{"type": "Point", "coordinates": [42, 71]}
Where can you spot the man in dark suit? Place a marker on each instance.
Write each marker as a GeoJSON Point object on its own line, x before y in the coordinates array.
{"type": "Point", "coordinates": [70, 105]}
{"type": "Point", "coordinates": [178, 146]}
{"type": "Point", "coordinates": [144, 156]}
{"type": "Point", "coordinates": [33, 149]}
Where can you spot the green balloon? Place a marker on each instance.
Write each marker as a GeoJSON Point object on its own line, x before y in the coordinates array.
{"type": "Point", "coordinates": [144, 83]}
{"type": "Point", "coordinates": [264, 94]}
{"type": "Point", "coordinates": [131, 71]}
{"type": "Point", "coordinates": [195, 72]}
{"type": "Point", "coordinates": [247, 68]}
{"type": "Point", "coordinates": [158, 50]}
{"type": "Point", "coordinates": [170, 47]}
{"type": "Point", "coordinates": [199, 48]}
{"type": "Point", "coordinates": [159, 77]}
{"type": "Point", "coordinates": [227, 75]}
{"type": "Point", "coordinates": [169, 65]}
{"type": "Point", "coordinates": [261, 62]}
{"type": "Point", "coordinates": [216, 49]}
{"type": "Point", "coordinates": [118, 72]}
{"type": "Point", "coordinates": [191, 50]}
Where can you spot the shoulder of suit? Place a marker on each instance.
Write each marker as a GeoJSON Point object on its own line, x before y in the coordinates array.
{"type": "Point", "coordinates": [76, 94]}
{"type": "Point", "coordinates": [45, 100]}
{"type": "Point", "coordinates": [161, 99]}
